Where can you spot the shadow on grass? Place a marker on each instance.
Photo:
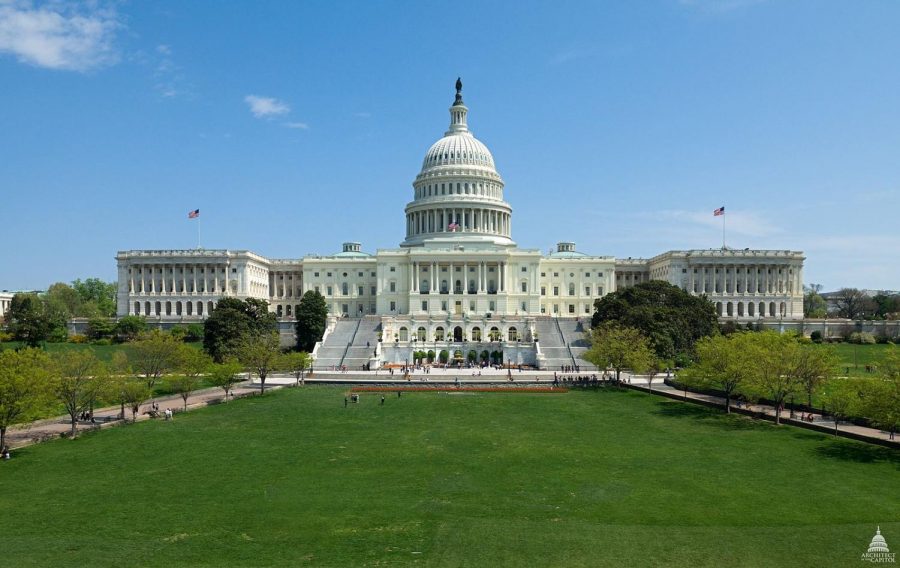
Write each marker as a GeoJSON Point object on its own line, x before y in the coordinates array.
{"type": "Point", "coordinates": [849, 450]}
{"type": "Point", "coordinates": [708, 416]}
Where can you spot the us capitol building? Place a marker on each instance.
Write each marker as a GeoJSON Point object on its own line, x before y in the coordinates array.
{"type": "Point", "coordinates": [458, 282]}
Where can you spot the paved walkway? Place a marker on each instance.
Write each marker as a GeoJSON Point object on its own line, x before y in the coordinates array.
{"type": "Point", "coordinates": [820, 423]}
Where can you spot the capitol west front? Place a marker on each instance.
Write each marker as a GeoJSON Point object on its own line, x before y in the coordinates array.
{"type": "Point", "coordinates": [458, 281]}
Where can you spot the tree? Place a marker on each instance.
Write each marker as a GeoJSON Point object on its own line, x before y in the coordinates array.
{"type": "Point", "coordinates": [129, 328]}
{"type": "Point", "coordinates": [773, 359]}
{"type": "Point", "coordinates": [882, 398]}
{"type": "Point", "coordinates": [192, 364]}
{"type": "Point", "coordinates": [722, 364]}
{"type": "Point", "coordinates": [296, 362]}
{"type": "Point", "coordinates": [96, 297]}
{"type": "Point", "coordinates": [231, 321]}
{"type": "Point", "coordinates": [887, 306]}
{"type": "Point", "coordinates": [672, 319]}
{"type": "Point", "coordinates": [814, 305]}
{"type": "Point", "coordinates": [619, 348]}
{"type": "Point", "coordinates": [852, 303]}
{"type": "Point", "coordinates": [134, 393]}
{"type": "Point", "coordinates": [100, 328]}
{"type": "Point", "coordinates": [26, 319]}
{"type": "Point", "coordinates": [154, 355]}
{"type": "Point", "coordinates": [312, 315]}
{"type": "Point", "coordinates": [24, 387]}
{"type": "Point", "coordinates": [261, 353]}
{"type": "Point", "coordinates": [840, 400]}
{"type": "Point", "coordinates": [78, 380]}
{"type": "Point", "coordinates": [225, 375]}
{"type": "Point", "coordinates": [813, 366]}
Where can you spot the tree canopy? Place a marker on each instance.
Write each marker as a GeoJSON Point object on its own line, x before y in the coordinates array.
{"type": "Point", "coordinates": [619, 348]}
{"type": "Point", "coordinates": [671, 319]}
{"type": "Point", "coordinates": [233, 320]}
{"type": "Point", "coordinates": [312, 315]}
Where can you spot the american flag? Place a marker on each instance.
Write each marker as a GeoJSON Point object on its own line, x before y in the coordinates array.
{"type": "Point", "coordinates": [719, 211]}
{"type": "Point", "coordinates": [194, 214]}
{"type": "Point", "coordinates": [453, 227]}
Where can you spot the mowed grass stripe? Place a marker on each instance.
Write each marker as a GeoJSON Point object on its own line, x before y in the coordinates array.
{"type": "Point", "coordinates": [581, 479]}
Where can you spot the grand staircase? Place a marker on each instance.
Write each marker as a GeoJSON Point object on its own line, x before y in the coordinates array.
{"type": "Point", "coordinates": [346, 344]}
{"type": "Point", "coordinates": [562, 342]}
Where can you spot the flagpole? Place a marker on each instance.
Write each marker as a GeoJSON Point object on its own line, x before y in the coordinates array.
{"type": "Point", "coordinates": [723, 230]}
{"type": "Point", "coordinates": [198, 231]}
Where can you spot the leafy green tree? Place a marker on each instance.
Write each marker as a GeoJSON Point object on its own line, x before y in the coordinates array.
{"type": "Point", "coordinates": [129, 328]}
{"type": "Point", "coordinates": [296, 363]}
{"type": "Point", "coordinates": [100, 328]}
{"type": "Point", "coordinates": [27, 320]}
{"type": "Point", "coordinates": [882, 398]}
{"type": "Point", "coordinates": [154, 355]}
{"type": "Point", "coordinates": [841, 400]}
{"type": "Point", "coordinates": [79, 379]}
{"type": "Point", "coordinates": [24, 387]}
{"type": "Point", "coordinates": [813, 365]}
{"type": "Point", "coordinates": [225, 375]}
{"type": "Point", "coordinates": [194, 332]}
{"type": "Point", "coordinates": [887, 306]}
{"type": "Point", "coordinates": [64, 299]}
{"type": "Point", "coordinates": [619, 348]}
{"type": "Point", "coordinates": [134, 393]}
{"type": "Point", "coordinates": [312, 316]}
{"type": "Point", "coordinates": [672, 319]}
{"type": "Point", "coordinates": [192, 364]}
{"type": "Point", "coordinates": [231, 322]}
{"type": "Point", "coordinates": [96, 297]}
{"type": "Point", "coordinates": [262, 354]}
{"type": "Point", "coordinates": [774, 360]}
{"type": "Point", "coordinates": [814, 305]}
{"type": "Point", "coordinates": [722, 364]}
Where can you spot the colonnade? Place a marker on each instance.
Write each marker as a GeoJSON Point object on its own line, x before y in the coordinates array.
{"type": "Point", "coordinates": [467, 219]}
{"type": "Point", "coordinates": [750, 279]}
{"type": "Point", "coordinates": [160, 279]}
{"type": "Point", "coordinates": [285, 284]}
{"type": "Point", "coordinates": [434, 285]}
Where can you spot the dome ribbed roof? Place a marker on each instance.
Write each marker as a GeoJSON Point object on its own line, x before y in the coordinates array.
{"type": "Point", "coordinates": [458, 149]}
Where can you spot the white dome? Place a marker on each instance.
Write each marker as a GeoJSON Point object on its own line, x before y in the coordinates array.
{"type": "Point", "coordinates": [459, 148]}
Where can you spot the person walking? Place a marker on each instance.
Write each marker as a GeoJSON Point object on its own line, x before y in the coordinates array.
{"type": "Point", "coordinates": [345, 402]}
{"type": "Point", "coordinates": [382, 400]}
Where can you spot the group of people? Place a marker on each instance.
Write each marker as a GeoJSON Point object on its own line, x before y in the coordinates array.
{"type": "Point", "coordinates": [582, 380]}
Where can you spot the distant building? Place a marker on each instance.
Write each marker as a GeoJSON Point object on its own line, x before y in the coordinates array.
{"type": "Point", "coordinates": [458, 275]}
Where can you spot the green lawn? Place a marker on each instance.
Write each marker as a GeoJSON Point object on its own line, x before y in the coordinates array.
{"type": "Point", "coordinates": [856, 357]}
{"type": "Point", "coordinates": [607, 478]}
{"type": "Point", "coordinates": [103, 352]}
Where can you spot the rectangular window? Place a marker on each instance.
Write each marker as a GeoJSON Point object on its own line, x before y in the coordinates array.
{"type": "Point", "coordinates": [374, 291]}
{"type": "Point", "coordinates": [587, 308]}
{"type": "Point", "coordinates": [555, 308]}
{"type": "Point", "coordinates": [425, 305]}
{"type": "Point", "coordinates": [360, 274]}
{"type": "Point", "coordinates": [444, 306]}
{"type": "Point", "coordinates": [328, 274]}
{"type": "Point", "coordinates": [556, 290]}
{"type": "Point", "coordinates": [491, 306]}
{"type": "Point", "coordinates": [571, 308]}
{"type": "Point", "coordinates": [556, 274]}
{"type": "Point", "coordinates": [587, 290]}
{"type": "Point", "coordinates": [317, 290]}
{"type": "Point", "coordinates": [393, 286]}
{"type": "Point", "coordinates": [362, 291]}
{"type": "Point", "coordinates": [524, 269]}
{"type": "Point", "coordinates": [471, 306]}
{"type": "Point", "coordinates": [328, 291]}
{"type": "Point", "coordinates": [524, 307]}
{"type": "Point", "coordinates": [524, 287]}
{"type": "Point", "coordinates": [393, 306]}
{"type": "Point", "coordinates": [393, 269]}
{"type": "Point", "coordinates": [543, 290]}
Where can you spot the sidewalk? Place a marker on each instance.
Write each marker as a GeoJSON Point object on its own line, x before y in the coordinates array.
{"type": "Point", "coordinates": [819, 423]}
{"type": "Point", "coordinates": [50, 428]}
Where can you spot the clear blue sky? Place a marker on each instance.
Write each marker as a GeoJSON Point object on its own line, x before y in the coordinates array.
{"type": "Point", "coordinates": [294, 126]}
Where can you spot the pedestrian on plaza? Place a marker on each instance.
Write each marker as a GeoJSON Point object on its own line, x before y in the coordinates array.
{"type": "Point", "coordinates": [345, 402]}
{"type": "Point", "coordinates": [399, 393]}
{"type": "Point", "coordinates": [382, 400]}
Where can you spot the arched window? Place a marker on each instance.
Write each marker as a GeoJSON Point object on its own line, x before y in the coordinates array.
{"type": "Point", "coordinates": [137, 308]}
{"type": "Point", "coordinates": [513, 334]}
{"type": "Point", "coordinates": [168, 308]}
{"type": "Point", "coordinates": [177, 308]}
{"type": "Point", "coordinates": [420, 334]}
{"type": "Point", "coordinates": [278, 310]}
{"type": "Point", "coordinates": [199, 308]}
{"type": "Point", "coordinates": [719, 308]}
{"type": "Point", "coordinates": [476, 334]}
{"type": "Point", "coordinates": [439, 334]}
{"type": "Point", "coordinates": [494, 334]}
{"type": "Point", "coordinates": [404, 334]}
{"type": "Point", "coordinates": [158, 308]}
{"type": "Point", "coordinates": [772, 309]}
{"type": "Point", "coordinates": [190, 308]}
{"type": "Point", "coordinates": [209, 307]}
